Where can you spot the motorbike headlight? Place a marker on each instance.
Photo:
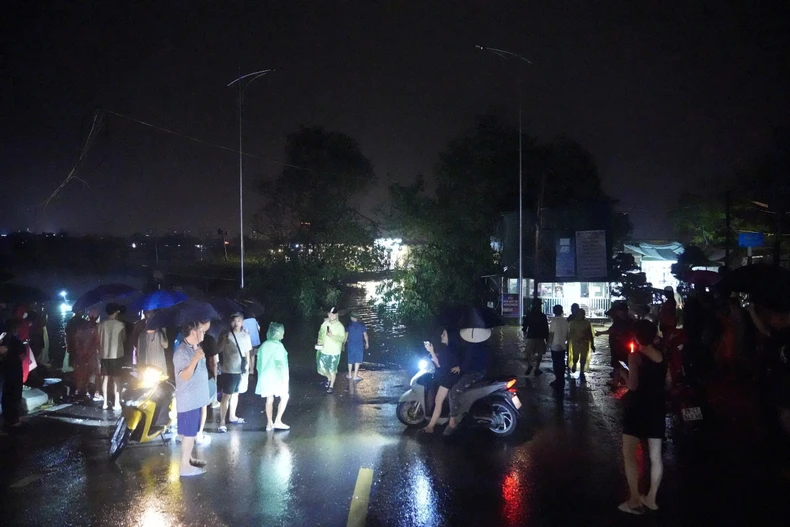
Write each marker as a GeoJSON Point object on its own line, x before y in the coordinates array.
{"type": "Point", "coordinates": [150, 377]}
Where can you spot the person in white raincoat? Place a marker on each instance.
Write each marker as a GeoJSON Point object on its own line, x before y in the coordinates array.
{"type": "Point", "coordinates": [273, 375]}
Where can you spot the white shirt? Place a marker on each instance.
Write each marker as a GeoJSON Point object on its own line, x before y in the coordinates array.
{"type": "Point", "coordinates": [558, 328]}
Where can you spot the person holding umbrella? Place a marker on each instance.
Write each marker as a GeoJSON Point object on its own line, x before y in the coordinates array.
{"type": "Point", "coordinates": [235, 357]}
{"type": "Point", "coordinates": [112, 335]}
{"type": "Point", "coordinates": [151, 345]}
{"type": "Point", "coordinates": [331, 336]}
{"type": "Point", "coordinates": [474, 337]}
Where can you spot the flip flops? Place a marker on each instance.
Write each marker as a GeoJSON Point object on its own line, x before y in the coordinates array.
{"type": "Point", "coordinates": [196, 471]}
{"type": "Point", "coordinates": [222, 429]}
{"type": "Point", "coordinates": [239, 421]}
{"type": "Point", "coordinates": [624, 507]}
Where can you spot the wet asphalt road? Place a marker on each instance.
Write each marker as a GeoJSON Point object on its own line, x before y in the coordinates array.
{"type": "Point", "coordinates": [563, 467]}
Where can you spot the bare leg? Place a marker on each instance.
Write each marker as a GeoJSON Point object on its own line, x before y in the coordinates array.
{"type": "Point", "coordinates": [234, 403]}
{"type": "Point", "coordinates": [349, 371]}
{"type": "Point", "coordinates": [202, 421]}
{"type": "Point", "coordinates": [356, 370]}
{"type": "Point", "coordinates": [332, 377]}
{"type": "Point", "coordinates": [104, 382]}
{"type": "Point", "coordinates": [223, 408]}
{"type": "Point", "coordinates": [630, 443]}
{"type": "Point", "coordinates": [187, 444]}
{"type": "Point", "coordinates": [281, 410]}
{"type": "Point", "coordinates": [270, 412]}
{"type": "Point", "coordinates": [437, 410]}
{"type": "Point", "coordinates": [584, 355]}
{"type": "Point", "coordinates": [656, 472]}
{"type": "Point", "coordinates": [116, 386]}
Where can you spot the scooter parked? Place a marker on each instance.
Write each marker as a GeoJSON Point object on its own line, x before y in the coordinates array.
{"type": "Point", "coordinates": [147, 407]}
{"type": "Point", "coordinates": [488, 403]}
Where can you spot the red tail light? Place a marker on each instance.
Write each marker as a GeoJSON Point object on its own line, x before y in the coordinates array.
{"type": "Point", "coordinates": [632, 346]}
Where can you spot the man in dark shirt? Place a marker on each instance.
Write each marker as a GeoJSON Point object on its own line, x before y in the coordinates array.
{"type": "Point", "coordinates": [619, 334]}
{"type": "Point", "coordinates": [12, 351]}
{"type": "Point", "coordinates": [536, 331]}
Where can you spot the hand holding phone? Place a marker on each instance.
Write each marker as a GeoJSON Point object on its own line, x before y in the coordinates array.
{"type": "Point", "coordinates": [624, 365]}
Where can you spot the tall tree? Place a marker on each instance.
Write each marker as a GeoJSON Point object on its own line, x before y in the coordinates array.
{"type": "Point", "coordinates": [311, 201]}
{"type": "Point", "coordinates": [477, 181]}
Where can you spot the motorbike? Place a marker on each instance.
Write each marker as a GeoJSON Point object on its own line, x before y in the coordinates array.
{"type": "Point", "coordinates": [147, 404]}
{"type": "Point", "coordinates": [489, 403]}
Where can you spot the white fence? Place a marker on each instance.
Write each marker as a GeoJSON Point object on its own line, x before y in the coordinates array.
{"type": "Point", "coordinates": [593, 307]}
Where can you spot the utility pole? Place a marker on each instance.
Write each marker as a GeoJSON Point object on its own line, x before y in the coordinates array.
{"type": "Point", "coordinates": [255, 75]}
{"type": "Point", "coordinates": [536, 265]}
{"type": "Point", "coordinates": [727, 230]}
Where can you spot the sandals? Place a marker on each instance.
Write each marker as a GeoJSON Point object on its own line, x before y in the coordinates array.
{"type": "Point", "coordinates": [196, 471]}
{"type": "Point", "coordinates": [646, 505]}
{"type": "Point", "coordinates": [199, 463]}
{"type": "Point", "coordinates": [238, 421]}
{"type": "Point", "coordinates": [624, 507]}
{"type": "Point", "coordinates": [222, 429]}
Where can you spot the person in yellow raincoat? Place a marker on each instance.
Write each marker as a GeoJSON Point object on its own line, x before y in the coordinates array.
{"type": "Point", "coordinates": [580, 336]}
{"type": "Point", "coordinates": [331, 336]}
{"type": "Point", "coordinates": [273, 375]}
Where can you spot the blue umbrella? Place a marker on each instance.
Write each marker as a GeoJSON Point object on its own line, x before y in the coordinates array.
{"type": "Point", "coordinates": [183, 313]}
{"type": "Point", "coordinates": [157, 300]}
{"type": "Point", "coordinates": [103, 293]}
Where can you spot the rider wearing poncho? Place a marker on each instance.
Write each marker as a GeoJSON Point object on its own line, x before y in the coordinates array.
{"type": "Point", "coordinates": [331, 336]}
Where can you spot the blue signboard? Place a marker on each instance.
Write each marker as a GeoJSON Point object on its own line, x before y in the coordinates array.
{"type": "Point", "coordinates": [751, 239]}
{"type": "Point", "coordinates": [565, 263]}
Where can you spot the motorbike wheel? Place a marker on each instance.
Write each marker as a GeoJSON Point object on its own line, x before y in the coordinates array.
{"type": "Point", "coordinates": [503, 420]}
{"type": "Point", "coordinates": [119, 439]}
{"type": "Point", "coordinates": [411, 413]}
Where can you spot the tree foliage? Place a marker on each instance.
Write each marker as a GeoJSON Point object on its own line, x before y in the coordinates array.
{"type": "Point", "coordinates": [628, 280]}
{"type": "Point", "coordinates": [317, 234]}
{"type": "Point", "coordinates": [476, 182]}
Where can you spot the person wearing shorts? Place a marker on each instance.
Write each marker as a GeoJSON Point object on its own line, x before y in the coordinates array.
{"type": "Point", "coordinates": [192, 393]}
{"type": "Point", "coordinates": [236, 345]}
{"type": "Point", "coordinates": [112, 335]}
{"type": "Point", "coordinates": [331, 337]}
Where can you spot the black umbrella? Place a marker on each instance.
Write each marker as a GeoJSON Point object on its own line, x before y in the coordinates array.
{"type": "Point", "coordinates": [765, 284]}
{"type": "Point", "coordinates": [470, 317]}
{"type": "Point", "coordinates": [101, 294]}
{"type": "Point", "coordinates": [226, 306]}
{"type": "Point", "coordinates": [252, 308]}
{"type": "Point", "coordinates": [22, 294]}
{"type": "Point", "coordinates": [183, 313]}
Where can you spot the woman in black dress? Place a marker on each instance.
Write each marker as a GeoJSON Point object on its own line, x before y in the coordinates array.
{"type": "Point", "coordinates": [447, 372]}
{"type": "Point", "coordinates": [643, 416]}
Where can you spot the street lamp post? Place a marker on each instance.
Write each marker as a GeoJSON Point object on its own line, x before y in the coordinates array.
{"type": "Point", "coordinates": [255, 75]}
{"type": "Point", "coordinates": [504, 55]}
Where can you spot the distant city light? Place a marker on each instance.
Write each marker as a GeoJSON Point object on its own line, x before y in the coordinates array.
{"type": "Point", "coordinates": [65, 308]}
{"type": "Point", "coordinates": [134, 246]}
{"type": "Point", "coordinates": [63, 294]}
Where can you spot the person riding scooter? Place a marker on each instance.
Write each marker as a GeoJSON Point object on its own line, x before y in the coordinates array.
{"type": "Point", "coordinates": [474, 358]}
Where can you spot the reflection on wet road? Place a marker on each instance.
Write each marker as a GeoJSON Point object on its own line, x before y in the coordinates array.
{"type": "Point", "coordinates": [563, 466]}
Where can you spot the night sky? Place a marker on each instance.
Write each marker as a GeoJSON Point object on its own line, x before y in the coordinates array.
{"type": "Point", "coordinates": [663, 94]}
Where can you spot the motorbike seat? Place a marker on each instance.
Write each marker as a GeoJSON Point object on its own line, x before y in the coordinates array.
{"type": "Point", "coordinates": [487, 381]}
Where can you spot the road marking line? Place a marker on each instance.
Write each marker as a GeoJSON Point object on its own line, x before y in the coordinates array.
{"type": "Point", "coordinates": [359, 501]}
{"type": "Point", "coordinates": [27, 480]}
